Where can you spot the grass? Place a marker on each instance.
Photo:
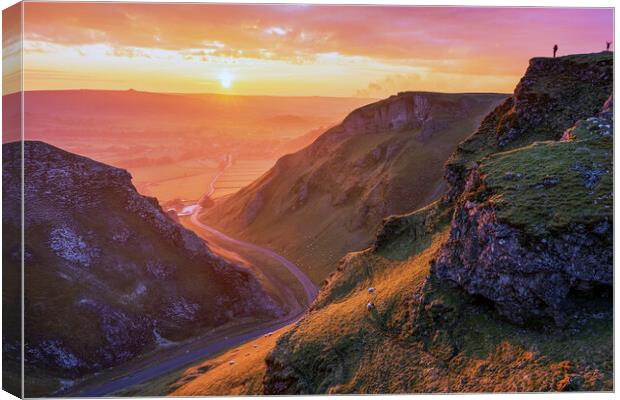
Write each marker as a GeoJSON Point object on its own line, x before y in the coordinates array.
{"type": "Point", "coordinates": [426, 337]}
{"type": "Point", "coordinates": [556, 92]}
{"type": "Point", "coordinates": [333, 344]}
{"type": "Point", "coordinates": [513, 180]}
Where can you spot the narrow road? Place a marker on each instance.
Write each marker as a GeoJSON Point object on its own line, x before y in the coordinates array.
{"type": "Point", "coordinates": [198, 352]}
{"type": "Point", "coordinates": [309, 287]}
{"type": "Point", "coordinates": [204, 347]}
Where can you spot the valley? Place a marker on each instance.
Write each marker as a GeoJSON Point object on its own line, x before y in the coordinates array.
{"type": "Point", "coordinates": [204, 199]}
{"type": "Point", "coordinates": [392, 254]}
{"type": "Point", "coordinates": [414, 311]}
{"type": "Point", "coordinates": [385, 158]}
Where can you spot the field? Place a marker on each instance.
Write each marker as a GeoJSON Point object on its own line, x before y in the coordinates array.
{"type": "Point", "coordinates": [186, 180]}
{"type": "Point", "coordinates": [240, 174]}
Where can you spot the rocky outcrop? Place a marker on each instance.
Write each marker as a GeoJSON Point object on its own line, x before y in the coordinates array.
{"type": "Point", "coordinates": [552, 96]}
{"type": "Point", "coordinates": [532, 267]}
{"type": "Point", "coordinates": [108, 274]}
{"type": "Point", "coordinates": [528, 279]}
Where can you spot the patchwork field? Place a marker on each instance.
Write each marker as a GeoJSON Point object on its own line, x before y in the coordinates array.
{"type": "Point", "coordinates": [240, 174]}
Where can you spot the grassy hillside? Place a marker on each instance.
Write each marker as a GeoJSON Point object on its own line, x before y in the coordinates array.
{"type": "Point", "coordinates": [424, 337]}
{"type": "Point", "coordinates": [505, 285]}
{"type": "Point", "coordinates": [386, 158]}
{"type": "Point", "coordinates": [239, 371]}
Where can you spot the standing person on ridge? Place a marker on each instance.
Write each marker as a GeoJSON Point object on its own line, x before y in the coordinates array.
{"type": "Point", "coordinates": [555, 50]}
{"type": "Point", "coordinates": [608, 44]}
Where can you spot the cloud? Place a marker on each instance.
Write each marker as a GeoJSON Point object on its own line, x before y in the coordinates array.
{"type": "Point", "coordinates": [391, 84]}
{"type": "Point", "coordinates": [500, 36]}
{"type": "Point", "coordinates": [436, 81]}
{"type": "Point", "coordinates": [276, 30]}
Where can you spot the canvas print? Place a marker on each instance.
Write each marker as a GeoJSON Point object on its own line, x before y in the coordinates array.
{"type": "Point", "coordinates": [264, 199]}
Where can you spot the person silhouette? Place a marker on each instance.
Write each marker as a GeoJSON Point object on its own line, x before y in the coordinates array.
{"type": "Point", "coordinates": [555, 50]}
{"type": "Point", "coordinates": [608, 44]}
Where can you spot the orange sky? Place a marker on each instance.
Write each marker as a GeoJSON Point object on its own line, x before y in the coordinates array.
{"type": "Point", "coordinates": [294, 49]}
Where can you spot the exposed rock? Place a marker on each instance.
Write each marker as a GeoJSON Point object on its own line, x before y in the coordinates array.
{"type": "Point", "coordinates": [105, 266]}
{"type": "Point", "coordinates": [525, 279]}
{"type": "Point", "coordinates": [552, 96]}
{"type": "Point", "coordinates": [530, 271]}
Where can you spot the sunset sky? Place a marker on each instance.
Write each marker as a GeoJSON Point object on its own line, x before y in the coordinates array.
{"type": "Point", "coordinates": [295, 49]}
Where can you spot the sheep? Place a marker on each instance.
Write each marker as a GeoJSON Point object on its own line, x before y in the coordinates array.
{"type": "Point", "coordinates": [371, 290]}
{"type": "Point", "coordinates": [370, 306]}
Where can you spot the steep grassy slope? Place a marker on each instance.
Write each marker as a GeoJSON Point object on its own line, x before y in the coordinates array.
{"type": "Point", "coordinates": [505, 285]}
{"type": "Point", "coordinates": [422, 336]}
{"type": "Point", "coordinates": [108, 275]}
{"type": "Point", "coordinates": [327, 199]}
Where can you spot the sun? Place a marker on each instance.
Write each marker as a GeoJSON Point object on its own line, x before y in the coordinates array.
{"type": "Point", "coordinates": [226, 79]}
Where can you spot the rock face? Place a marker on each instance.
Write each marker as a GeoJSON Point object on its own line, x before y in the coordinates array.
{"type": "Point", "coordinates": [532, 227]}
{"type": "Point", "coordinates": [384, 158]}
{"type": "Point", "coordinates": [553, 94]}
{"type": "Point", "coordinates": [401, 112]}
{"type": "Point", "coordinates": [108, 274]}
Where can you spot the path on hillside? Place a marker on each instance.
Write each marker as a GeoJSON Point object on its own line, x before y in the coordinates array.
{"type": "Point", "coordinates": [199, 349]}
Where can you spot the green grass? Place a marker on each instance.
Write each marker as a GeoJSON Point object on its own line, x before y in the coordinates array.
{"type": "Point", "coordinates": [426, 337]}
{"type": "Point", "coordinates": [539, 210]}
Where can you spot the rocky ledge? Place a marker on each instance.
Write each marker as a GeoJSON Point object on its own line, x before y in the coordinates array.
{"type": "Point", "coordinates": [533, 230]}
{"type": "Point", "coordinates": [552, 96]}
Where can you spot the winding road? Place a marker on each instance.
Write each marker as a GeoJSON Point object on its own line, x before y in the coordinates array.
{"type": "Point", "coordinates": [309, 287]}
{"type": "Point", "coordinates": [204, 347]}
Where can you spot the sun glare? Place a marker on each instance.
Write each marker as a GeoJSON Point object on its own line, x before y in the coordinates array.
{"type": "Point", "coordinates": [226, 79]}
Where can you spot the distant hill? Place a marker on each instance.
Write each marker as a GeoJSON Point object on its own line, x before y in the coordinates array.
{"type": "Point", "coordinates": [386, 158]}
{"type": "Point", "coordinates": [113, 114]}
{"type": "Point", "coordinates": [108, 275]}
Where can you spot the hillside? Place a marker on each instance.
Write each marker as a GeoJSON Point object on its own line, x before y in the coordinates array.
{"type": "Point", "coordinates": [108, 275]}
{"type": "Point", "coordinates": [505, 284]}
{"type": "Point", "coordinates": [385, 158]}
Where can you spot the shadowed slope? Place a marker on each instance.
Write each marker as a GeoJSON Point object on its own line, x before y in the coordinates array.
{"type": "Point", "coordinates": [108, 275]}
